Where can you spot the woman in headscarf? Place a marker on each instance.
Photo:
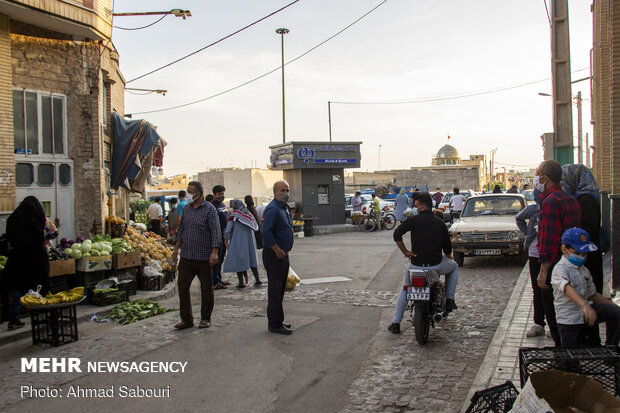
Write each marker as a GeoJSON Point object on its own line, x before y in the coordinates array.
{"type": "Point", "coordinates": [400, 206]}
{"type": "Point", "coordinates": [497, 189]}
{"type": "Point", "coordinates": [239, 239]}
{"type": "Point", "coordinates": [28, 264]}
{"type": "Point", "coordinates": [578, 181]}
{"type": "Point", "coordinates": [527, 221]}
{"type": "Point", "coordinates": [249, 202]}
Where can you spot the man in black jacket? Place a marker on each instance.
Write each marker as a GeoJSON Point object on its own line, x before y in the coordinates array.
{"type": "Point", "coordinates": [429, 238]}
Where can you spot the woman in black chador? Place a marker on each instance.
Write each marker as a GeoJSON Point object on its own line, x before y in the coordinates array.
{"type": "Point", "coordinates": [28, 263]}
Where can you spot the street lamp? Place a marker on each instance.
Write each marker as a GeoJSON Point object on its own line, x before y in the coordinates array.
{"type": "Point", "coordinates": [176, 12]}
{"type": "Point", "coordinates": [578, 103]}
{"type": "Point", "coordinates": [379, 157]}
{"type": "Point", "coordinates": [282, 32]}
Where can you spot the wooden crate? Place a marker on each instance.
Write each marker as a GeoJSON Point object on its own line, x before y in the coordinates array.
{"type": "Point", "coordinates": [62, 267]}
{"type": "Point", "coordinates": [126, 260]}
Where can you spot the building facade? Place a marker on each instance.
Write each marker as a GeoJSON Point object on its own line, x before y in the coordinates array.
{"type": "Point", "coordinates": [59, 83]}
{"type": "Point", "coordinates": [241, 182]}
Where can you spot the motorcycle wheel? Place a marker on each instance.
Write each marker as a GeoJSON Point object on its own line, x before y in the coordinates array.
{"type": "Point", "coordinates": [421, 323]}
{"type": "Point", "coordinates": [389, 222]}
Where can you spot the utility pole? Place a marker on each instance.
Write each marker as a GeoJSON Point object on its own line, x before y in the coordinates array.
{"type": "Point", "coordinates": [491, 174]}
{"type": "Point", "coordinates": [587, 149]}
{"type": "Point", "coordinates": [560, 71]}
{"type": "Point", "coordinates": [282, 32]}
{"type": "Point", "coordinates": [379, 157]}
{"type": "Point", "coordinates": [329, 118]}
{"type": "Point", "coordinates": [579, 130]}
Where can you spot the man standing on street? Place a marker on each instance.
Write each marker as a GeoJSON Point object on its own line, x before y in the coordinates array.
{"type": "Point", "coordinates": [182, 202]}
{"type": "Point", "coordinates": [218, 203]}
{"type": "Point", "coordinates": [199, 238]}
{"type": "Point", "coordinates": [277, 242]}
{"type": "Point", "coordinates": [376, 207]}
{"type": "Point", "coordinates": [437, 197]}
{"type": "Point", "coordinates": [456, 204]}
{"type": "Point", "coordinates": [429, 238]}
{"type": "Point", "coordinates": [559, 212]}
{"type": "Point", "coordinates": [156, 216]}
{"type": "Point", "coordinates": [356, 206]}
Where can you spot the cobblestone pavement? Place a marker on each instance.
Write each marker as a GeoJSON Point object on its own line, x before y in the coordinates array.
{"type": "Point", "coordinates": [407, 377]}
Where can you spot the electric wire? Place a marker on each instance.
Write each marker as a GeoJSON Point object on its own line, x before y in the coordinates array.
{"type": "Point", "coordinates": [439, 98]}
{"type": "Point", "coordinates": [143, 27]}
{"type": "Point", "coordinates": [212, 44]}
{"type": "Point", "coordinates": [548, 16]}
{"type": "Point", "coordinates": [264, 74]}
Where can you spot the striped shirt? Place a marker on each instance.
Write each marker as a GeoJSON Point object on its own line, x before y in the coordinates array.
{"type": "Point", "coordinates": [199, 231]}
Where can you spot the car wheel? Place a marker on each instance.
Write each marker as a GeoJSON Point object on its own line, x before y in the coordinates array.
{"type": "Point", "coordinates": [459, 258]}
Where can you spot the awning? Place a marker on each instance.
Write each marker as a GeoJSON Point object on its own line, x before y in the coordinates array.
{"type": "Point", "coordinates": [135, 143]}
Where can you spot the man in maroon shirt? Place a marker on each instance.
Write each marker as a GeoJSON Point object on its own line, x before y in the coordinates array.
{"type": "Point", "coordinates": [559, 212]}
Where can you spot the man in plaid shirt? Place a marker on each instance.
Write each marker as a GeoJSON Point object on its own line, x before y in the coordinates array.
{"type": "Point", "coordinates": [559, 212]}
{"type": "Point", "coordinates": [199, 239]}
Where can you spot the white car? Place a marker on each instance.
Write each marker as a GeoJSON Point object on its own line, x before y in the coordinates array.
{"type": "Point", "coordinates": [443, 205]}
{"type": "Point", "coordinates": [487, 227]}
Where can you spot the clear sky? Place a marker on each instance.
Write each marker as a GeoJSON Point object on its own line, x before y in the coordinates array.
{"type": "Point", "coordinates": [405, 50]}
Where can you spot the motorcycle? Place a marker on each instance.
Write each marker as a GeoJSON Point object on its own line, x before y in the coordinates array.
{"type": "Point", "coordinates": [426, 298]}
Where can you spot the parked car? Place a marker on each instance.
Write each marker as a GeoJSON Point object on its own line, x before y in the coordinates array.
{"type": "Point", "coordinates": [385, 205]}
{"type": "Point", "coordinates": [529, 196]}
{"type": "Point", "coordinates": [443, 205]}
{"type": "Point", "coordinates": [487, 227]}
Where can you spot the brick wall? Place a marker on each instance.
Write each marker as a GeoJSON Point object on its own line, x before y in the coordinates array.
{"type": "Point", "coordinates": [7, 160]}
{"type": "Point", "coordinates": [614, 94]}
{"type": "Point", "coordinates": [444, 178]}
{"type": "Point", "coordinates": [70, 68]}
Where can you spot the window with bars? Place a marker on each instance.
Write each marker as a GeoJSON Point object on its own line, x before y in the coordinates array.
{"type": "Point", "coordinates": [39, 123]}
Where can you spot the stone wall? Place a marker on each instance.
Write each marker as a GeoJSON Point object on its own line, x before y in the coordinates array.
{"type": "Point", "coordinates": [444, 178]}
{"type": "Point", "coordinates": [73, 69]}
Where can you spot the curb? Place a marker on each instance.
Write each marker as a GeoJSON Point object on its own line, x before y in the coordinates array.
{"type": "Point", "coordinates": [491, 358]}
{"type": "Point", "coordinates": [169, 291]}
{"type": "Point", "coordinates": [334, 229]}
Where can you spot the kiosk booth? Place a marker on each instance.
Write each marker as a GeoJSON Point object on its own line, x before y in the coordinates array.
{"type": "Point", "coordinates": [315, 173]}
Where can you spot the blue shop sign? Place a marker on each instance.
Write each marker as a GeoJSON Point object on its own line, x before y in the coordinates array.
{"type": "Point", "coordinates": [349, 160]}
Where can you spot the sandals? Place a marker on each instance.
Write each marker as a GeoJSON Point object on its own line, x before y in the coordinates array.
{"type": "Point", "coordinates": [219, 287]}
{"type": "Point", "coordinates": [183, 325]}
{"type": "Point", "coordinates": [204, 324]}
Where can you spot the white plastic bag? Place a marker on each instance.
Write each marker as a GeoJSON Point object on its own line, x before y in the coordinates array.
{"type": "Point", "coordinates": [36, 293]}
{"type": "Point", "coordinates": [292, 280]}
{"type": "Point", "coordinates": [153, 269]}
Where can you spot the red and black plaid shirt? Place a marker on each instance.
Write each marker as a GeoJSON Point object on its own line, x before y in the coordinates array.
{"type": "Point", "coordinates": [559, 212]}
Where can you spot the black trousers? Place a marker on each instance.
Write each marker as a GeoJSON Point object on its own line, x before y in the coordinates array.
{"type": "Point", "coordinates": [575, 335]}
{"type": "Point", "coordinates": [594, 263]}
{"type": "Point", "coordinates": [539, 312]}
{"type": "Point", "coordinates": [188, 270]}
{"type": "Point", "coordinates": [156, 226]}
{"type": "Point", "coordinates": [277, 271]}
{"type": "Point", "coordinates": [548, 307]}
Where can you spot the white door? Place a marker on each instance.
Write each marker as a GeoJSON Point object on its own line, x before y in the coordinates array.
{"type": "Point", "coordinates": [51, 181]}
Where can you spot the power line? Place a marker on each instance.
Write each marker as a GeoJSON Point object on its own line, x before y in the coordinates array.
{"type": "Point", "coordinates": [438, 98]}
{"type": "Point", "coordinates": [214, 43]}
{"type": "Point", "coordinates": [265, 74]}
{"type": "Point", "coordinates": [143, 27]}
{"type": "Point", "coordinates": [548, 16]}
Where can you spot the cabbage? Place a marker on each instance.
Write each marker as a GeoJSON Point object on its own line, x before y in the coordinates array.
{"type": "Point", "coordinates": [86, 254]}
{"type": "Point", "coordinates": [76, 246]}
{"type": "Point", "coordinates": [94, 253]}
{"type": "Point", "coordinates": [108, 249]}
{"type": "Point", "coordinates": [85, 247]}
{"type": "Point", "coordinates": [88, 242]}
{"type": "Point", "coordinates": [99, 246]}
{"type": "Point", "coordinates": [77, 254]}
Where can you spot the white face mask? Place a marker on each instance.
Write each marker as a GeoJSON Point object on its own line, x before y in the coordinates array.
{"type": "Point", "coordinates": [538, 185]}
{"type": "Point", "coordinates": [189, 198]}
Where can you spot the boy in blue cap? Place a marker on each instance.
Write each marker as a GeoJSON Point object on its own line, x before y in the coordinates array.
{"type": "Point", "coordinates": [576, 301]}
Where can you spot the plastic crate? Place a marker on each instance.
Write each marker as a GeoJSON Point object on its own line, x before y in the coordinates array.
{"type": "Point", "coordinates": [128, 285]}
{"type": "Point", "coordinates": [83, 279]}
{"type": "Point", "coordinates": [496, 399]}
{"type": "Point", "coordinates": [122, 274]}
{"type": "Point", "coordinates": [103, 298]}
{"type": "Point", "coordinates": [152, 283]}
{"type": "Point", "coordinates": [600, 363]}
{"type": "Point", "coordinates": [55, 326]}
{"type": "Point", "coordinates": [59, 283]}
{"type": "Point", "coordinates": [170, 275]}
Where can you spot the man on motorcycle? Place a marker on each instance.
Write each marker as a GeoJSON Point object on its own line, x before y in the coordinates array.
{"type": "Point", "coordinates": [429, 238]}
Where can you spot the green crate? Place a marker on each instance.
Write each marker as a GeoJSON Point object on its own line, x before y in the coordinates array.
{"type": "Point", "coordinates": [103, 298]}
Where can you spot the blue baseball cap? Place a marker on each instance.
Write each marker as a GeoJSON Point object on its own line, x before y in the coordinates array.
{"type": "Point", "coordinates": [578, 239]}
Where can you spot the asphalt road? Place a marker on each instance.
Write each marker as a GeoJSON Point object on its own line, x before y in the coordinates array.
{"type": "Point", "coordinates": [339, 358]}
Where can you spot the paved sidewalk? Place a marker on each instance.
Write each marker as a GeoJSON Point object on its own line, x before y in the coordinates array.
{"type": "Point", "coordinates": [501, 361]}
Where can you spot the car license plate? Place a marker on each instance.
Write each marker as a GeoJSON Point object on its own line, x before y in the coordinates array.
{"type": "Point", "coordinates": [488, 252]}
{"type": "Point", "coordinates": [418, 293]}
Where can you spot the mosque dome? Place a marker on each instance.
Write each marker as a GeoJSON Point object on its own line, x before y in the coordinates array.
{"type": "Point", "coordinates": [447, 152]}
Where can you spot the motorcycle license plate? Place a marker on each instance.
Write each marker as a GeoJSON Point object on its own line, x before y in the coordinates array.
{"type": "Point", "coordinates": [418, 293]}
{"type": "Point", "coordinates": [488, 252]}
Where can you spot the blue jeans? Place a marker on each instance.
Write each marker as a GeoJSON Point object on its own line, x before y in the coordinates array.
{"type": "Point", "coordinates": [447, 267]}
{"type": "Point", "coordinates": [217, 269]}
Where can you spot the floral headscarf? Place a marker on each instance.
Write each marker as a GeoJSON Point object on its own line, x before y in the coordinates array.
{"type": "Point", "coordinates": [242, 214]}
{"type": "Point", "coordinates": [577, 180]}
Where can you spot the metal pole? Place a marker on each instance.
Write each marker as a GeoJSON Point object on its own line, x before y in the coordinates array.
{"type": "Point", "coordinates": [379, 157]}
{"type": "Point", "coordinates": [579, 130]}
{"type": "Point", "coordinates": [282, 32]}
{"type": "Point", "coordinates": [329, 118]}
{"type": "Point", "coordinates": [587, 149]}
